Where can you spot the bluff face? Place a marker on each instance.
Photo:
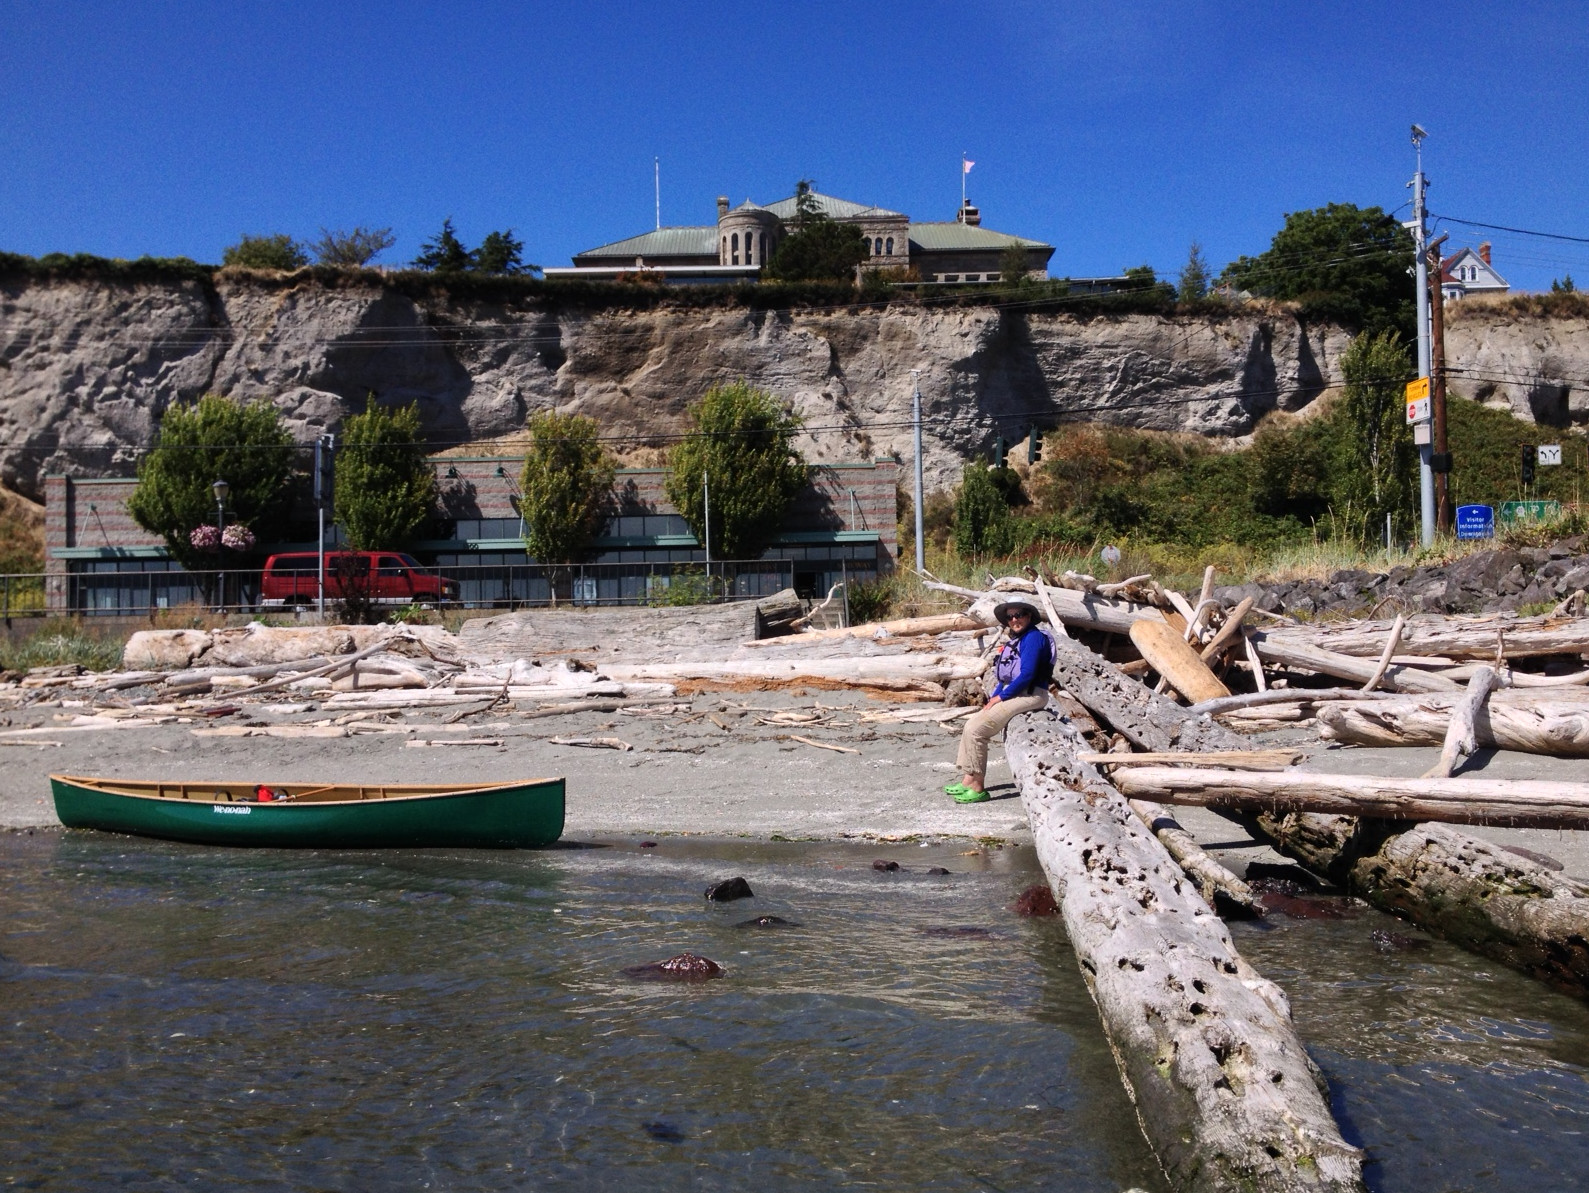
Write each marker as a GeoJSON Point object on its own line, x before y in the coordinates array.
{"type": "Point", "coordinates": [87, 368]}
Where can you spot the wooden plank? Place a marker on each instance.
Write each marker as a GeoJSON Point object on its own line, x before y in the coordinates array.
{"type": "Point", "coordinates": [1223, 1089]}
{"type": "Point", "coordinates": [1173, 658]}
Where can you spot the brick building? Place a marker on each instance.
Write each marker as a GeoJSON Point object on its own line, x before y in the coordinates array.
{"type": "Point", "coordinates": [843, 526]}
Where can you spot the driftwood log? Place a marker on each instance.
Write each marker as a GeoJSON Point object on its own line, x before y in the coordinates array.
{"type": "Point", "coordinates": [1470, 638]}
{"type": "Point", "coordinates": [1514, 803]}
{"type": "Point", "coordinates": [1083, 610]}
{"type": "Point", "coordinates": [1534, 720]}
{"type": "Point", "coordinates": [1476, 894]}
{"type": "Point", "coordinates": [1289, 651]}
{"type": "Point", "coordinates": [1223, 1089]}
{"type": "Point", "coordinates": [1209, 876]}
{"type": "Point", "coordinates": [1460, 741]}
{"type": "Point", "coordinates": [1147, 721]}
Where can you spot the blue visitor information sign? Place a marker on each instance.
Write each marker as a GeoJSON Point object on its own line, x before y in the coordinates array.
{"type": "Point", "coordinates": [1475, 522]}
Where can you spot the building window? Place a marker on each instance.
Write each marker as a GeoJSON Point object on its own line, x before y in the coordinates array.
{"type": "Point", "coordinates": [725, 250]}
{"type": "Point", "coordinates": [763, 248]}
{"type": "Point", "coordinates": [890, 246]}
{"type": "Point", "coordinates": [734, 247]}
{"type": "Point", "coordinates": [877, 247]}
{"type": "Point", "coordinates": [748, 260]}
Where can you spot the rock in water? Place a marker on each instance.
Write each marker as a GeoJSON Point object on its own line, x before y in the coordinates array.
{"type": "Point", "coordinates": [937, 870]}
{"type": "Point", "coordinates": [886, 866]}
{"type": "Point", "coordinates": [728, 890]}
{"type": "Point", "coordinates": [768, 921]}
{"type": "Point", "coordinates": [664, 1132]}
{"type": "Point", "coordinates": [1395, 942]}
{"type": "Point", "coordinates": [686, 967]}
{"type": "Point", "coordinates": [1036, 900]}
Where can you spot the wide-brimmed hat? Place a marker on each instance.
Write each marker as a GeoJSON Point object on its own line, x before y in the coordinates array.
{"type": "Point", "coordinates": [1002, 612]}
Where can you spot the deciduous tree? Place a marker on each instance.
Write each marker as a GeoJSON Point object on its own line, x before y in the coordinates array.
{"type": "Point", "coordinates": [982, 515]}
{"type": "Point", "coordinates": [1377, 441]}
{"type": "Point", "coordinates": [1342, 262]}
{"type": "Point", "coordinates": [385, 487]}
{"type": "Point", "coordinates": [743, 441]}
{"type": "Point", "coordinates": [214, 439]}
{"type": "Point", "coordinates": [358, 247]}
{"type": "Point", "coordinates": [567, 485]}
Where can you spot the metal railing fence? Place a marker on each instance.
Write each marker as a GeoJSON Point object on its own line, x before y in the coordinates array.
{"type": "Point", "coordinates": [479, 586]}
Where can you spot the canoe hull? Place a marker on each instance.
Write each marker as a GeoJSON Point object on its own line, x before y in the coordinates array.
{"type": "Point", "coordinates": [513, 816]}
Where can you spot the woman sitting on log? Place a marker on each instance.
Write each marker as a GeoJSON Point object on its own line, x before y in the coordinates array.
{"type": "Point", "coordinates": [1023, 669]}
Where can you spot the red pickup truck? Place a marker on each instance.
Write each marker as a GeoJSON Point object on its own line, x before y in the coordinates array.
{"type": "Point", "coordinates": [387, 577]}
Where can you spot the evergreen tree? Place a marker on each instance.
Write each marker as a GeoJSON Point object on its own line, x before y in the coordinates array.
{"type": "Point", "coordinates": [214, 439]}
{"type": "Point", "coordinates": [744, 445]}
{"type": "Point", "coordinates": [816, 246]}
{"type": "Point", "coordinates": [567, 485]}
{"type": "Point", "coordinates": [1013, 266]}
{"type": "Point", "coordinates": [1194, 276]}
{"type": "Point", "coordinates": [499, 252]}
{"type": "Point", "coordinates": [385, 488]}
{"type": "Point", "coordinates": [446, 253]}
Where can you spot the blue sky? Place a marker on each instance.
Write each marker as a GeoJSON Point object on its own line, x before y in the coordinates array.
{"type": "Point", "coordinates": [1117, 132]}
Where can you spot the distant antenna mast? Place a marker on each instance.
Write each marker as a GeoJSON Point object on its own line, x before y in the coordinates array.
{"type": "Point", "coordinates": [656, 164]}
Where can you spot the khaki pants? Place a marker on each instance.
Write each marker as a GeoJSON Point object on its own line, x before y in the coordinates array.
{"type": "Point", "coordinates": [981, 726]}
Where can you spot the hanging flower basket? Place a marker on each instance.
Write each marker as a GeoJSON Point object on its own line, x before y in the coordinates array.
{"type": "Point", "coordinates": [238, 538]}
{"type": "Point", "coordinates": [205, 538]}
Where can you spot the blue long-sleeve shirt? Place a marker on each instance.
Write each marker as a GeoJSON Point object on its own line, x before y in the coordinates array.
{"type": "Point", "coordinates": [1025, 665]}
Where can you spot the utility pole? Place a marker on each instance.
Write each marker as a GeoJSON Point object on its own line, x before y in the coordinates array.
{"type": "Point", "coordinates": [1441, 457]}
{"type": "Point", "coordinates": [915, 419]}
{"type": "Point", "coordinates": [1421, 435]}
{"type": "Point", "coordinates": [706, 529]}
{"type": "Point", "coordinates": [324, 449]}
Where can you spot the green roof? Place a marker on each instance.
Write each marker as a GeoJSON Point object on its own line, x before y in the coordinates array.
{"type": "Point", "coordinates": [955, 235]}
{"type": "Point", "coordinates": [839, 209]}
{"type": "Point", "coordinates": [664, 242]}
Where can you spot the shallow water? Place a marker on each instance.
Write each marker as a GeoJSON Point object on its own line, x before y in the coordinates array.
{"type": "Point", "coordinates": [181, 1017]}
{"type": "Point", "coordinates": [186, 1017]}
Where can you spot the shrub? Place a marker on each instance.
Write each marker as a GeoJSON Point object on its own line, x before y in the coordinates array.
{"type": "Point", "coordinates": [277, 251]}
{"type": "Point", "coordinates": [982, 515]}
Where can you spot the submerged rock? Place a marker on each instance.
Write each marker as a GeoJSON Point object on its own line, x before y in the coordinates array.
{"type": "Point", "coordinates": [1395, 942]}
{"type": "Point", "coordinates": [686, 967]}
{"type": "Point", "coordinates": [884, 865]}
{"type": "Point", "coordinates": [729, 889]}
{"type": "Point", "coordinates": [959, 933]}
{"type": "Point", "coordinates": [768, 921]}
{"type": "Point", "coordinates": [937, 870]}
{"type": "Point", "coordinates": [1035, 900]}
{"type": "Point", "coordinates": [664, 1132]}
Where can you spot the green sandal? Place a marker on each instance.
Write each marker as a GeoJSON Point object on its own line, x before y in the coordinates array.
{"type": "Point", "coordinates": [967, 796]}
{"type": "Point", "coordinates": [955, 789]}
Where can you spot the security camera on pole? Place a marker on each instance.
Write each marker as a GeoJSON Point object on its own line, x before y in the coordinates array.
{"type": "Point", "coordinates": [1419, 408]}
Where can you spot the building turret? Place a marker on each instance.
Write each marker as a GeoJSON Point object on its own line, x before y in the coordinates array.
{"type": "Point", "coordinates": [748, 235]}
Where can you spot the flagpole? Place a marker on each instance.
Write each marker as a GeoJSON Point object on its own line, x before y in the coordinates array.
{"type": "Point", "coordinates": [961, 216]}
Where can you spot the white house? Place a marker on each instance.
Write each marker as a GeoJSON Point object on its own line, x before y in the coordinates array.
{"type": "Point", "coordinates": [1469, 271]}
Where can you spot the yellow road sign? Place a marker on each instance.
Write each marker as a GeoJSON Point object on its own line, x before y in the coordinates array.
{"type": "Point", "coordinates": [1417, 389]}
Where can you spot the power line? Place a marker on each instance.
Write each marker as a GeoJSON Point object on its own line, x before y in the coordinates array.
{"type": "Point", "coordinates": [1451, 219]}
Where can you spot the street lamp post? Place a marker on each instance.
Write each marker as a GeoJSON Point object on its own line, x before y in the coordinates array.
{"type": "Point", "coordinates": [221, 489]}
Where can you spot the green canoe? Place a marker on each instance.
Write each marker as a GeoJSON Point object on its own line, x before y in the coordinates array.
{"type": "Point", "coordinates": [322, 816]}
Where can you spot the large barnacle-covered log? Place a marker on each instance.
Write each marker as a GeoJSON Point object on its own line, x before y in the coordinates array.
{"type": "Point", "coordinates": [1223, 1088]}
{"type": "Point", "coordinates": [1495, 901]}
